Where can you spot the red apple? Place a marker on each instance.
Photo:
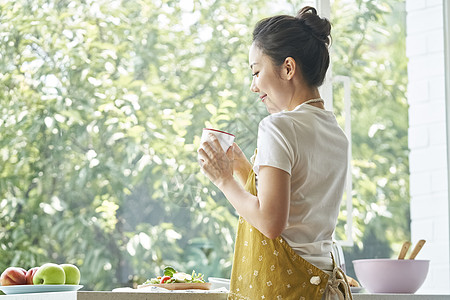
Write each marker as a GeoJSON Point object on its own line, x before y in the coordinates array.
{"type": "Point", "coordinates": [13, 276]}
{"type": "Point", "coordinates": [30, 274]}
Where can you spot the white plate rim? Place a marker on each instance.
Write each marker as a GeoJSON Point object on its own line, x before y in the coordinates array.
{"type": "Point", "coordinates": [218, 279]}
{"type": "Point", "coordinates": [41, 288]}
{"type": "Point", "coordinates": [357, 289]}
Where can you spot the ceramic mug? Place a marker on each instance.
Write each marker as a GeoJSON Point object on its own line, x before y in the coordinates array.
{"type": "Point", "coordinates": [225, 139]}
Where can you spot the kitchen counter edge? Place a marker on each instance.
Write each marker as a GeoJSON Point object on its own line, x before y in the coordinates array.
{"type": "Point", "coordinates": [104, 295]}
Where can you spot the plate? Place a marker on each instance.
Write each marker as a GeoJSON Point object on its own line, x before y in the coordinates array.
{"type": "Point", "coordinates": [356, 290]}
{"type": "Point", "coordinates": [180, 286]}
{"type": "Point", "coordinates": [219, 282]}
{"type": "Point", "coordinates": [41, 288]}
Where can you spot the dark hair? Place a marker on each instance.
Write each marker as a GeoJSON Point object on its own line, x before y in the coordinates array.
{"type": "Point", "coordinates": [305, 38]}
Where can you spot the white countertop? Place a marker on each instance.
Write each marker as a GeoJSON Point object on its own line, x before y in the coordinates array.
{"type": "Point", "coordinates": [400, 297]}
{"type": "Point", "coordinates": [87, 295]}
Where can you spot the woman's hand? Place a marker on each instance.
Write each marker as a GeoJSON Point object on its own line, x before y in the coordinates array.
{"type": "Point", "coordinates": [269, 210]}
{"type": "Point", "coordinates": [215, 163]}
{"type": "Point", "coordinates": [241, 166]}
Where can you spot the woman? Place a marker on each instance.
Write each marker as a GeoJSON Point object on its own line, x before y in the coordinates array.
{"type": "Point", "coordinates": [289, 199]}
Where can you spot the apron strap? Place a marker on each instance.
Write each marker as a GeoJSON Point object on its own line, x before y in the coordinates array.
{"type": "Point", "coordinates": [250, 185]}
{"type": "Point", "coordinates": [338, 279]}
{"type": "Point", "coordinates": [338, 284]}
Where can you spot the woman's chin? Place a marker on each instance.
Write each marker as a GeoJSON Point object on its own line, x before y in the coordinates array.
{"type": "Point", "coordinates": [272, 108]}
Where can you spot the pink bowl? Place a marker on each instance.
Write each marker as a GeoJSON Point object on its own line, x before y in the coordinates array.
{"type": "Point", "coordinates": [391, 275]}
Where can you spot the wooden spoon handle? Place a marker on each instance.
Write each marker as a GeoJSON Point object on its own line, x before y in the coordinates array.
{"type": "Point", "coordinates": [404, 250]}
{"type": "Point", "coordinates": [416, 249]}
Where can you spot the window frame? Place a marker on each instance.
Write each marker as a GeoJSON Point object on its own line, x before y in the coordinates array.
{"type": "Point", "coordinates": [446, 18]}
{"type": "Point", "coordinates": [326, 90]}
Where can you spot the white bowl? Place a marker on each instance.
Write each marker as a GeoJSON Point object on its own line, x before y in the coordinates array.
{"type": "Point", "coordinates": [394, 276]}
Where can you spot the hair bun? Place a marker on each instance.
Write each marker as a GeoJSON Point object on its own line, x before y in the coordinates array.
{"type": "Point", "coordinates": [319, 27]}
{"type": "Point", "coordinates": [306, 9]}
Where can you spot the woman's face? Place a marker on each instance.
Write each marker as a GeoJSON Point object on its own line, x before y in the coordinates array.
{"type": "Point", "coordinates": [267, 81]}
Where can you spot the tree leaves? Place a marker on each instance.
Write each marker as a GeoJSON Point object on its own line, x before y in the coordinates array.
{"type": "Point", "coordinates": [374, 57]}
{"type": "Point", "coordinates": [102, 107]}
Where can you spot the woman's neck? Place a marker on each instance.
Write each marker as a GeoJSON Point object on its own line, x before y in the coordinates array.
{"type": "Point", "coordinates": [304, 94]}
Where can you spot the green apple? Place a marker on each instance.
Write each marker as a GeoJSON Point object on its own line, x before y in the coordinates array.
{"type": "Point", "coordinates": [50, 274]}
{"type": "Point", "coordinates": [72, 274]}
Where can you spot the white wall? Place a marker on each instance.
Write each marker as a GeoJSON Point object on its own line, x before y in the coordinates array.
{"type": "Point", "coordinates": [427, 138]}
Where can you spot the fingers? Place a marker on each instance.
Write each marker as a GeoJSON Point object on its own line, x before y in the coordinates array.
{"type": "Point", "coordinates": [215, 141]}
{"type": "Point", "coordinates": [201, 156]}
{"type": "Point", "coordinates": [230, 152]}
{"type": "Point", "coordinates": [238, 151]}
{"type": "Point", "coordinates": [206, 153]}
{"type": "Point", "coordinates": [231, 149]}
{"type": "Point", "coordinates": [235, 147]}
{"type": "Point", "coordinates": [209, 154]}
{"type": "Point", "coordinates": [213, 161]}
{"type": "Point", "coordinates": [208, 149]}
{"type": "Point", "coordinates": [212, 147]}
{"type": "Point", "coordinates": [206, 160]}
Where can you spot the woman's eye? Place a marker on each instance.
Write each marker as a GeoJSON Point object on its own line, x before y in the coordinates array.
{"type": "Point", "coordinates": [255, 74]}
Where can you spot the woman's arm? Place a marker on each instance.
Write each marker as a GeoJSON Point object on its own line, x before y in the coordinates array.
{"type": "Point", "coordinates": [268, 212]}
{"type": "Point", "coordinates": [241, 166]}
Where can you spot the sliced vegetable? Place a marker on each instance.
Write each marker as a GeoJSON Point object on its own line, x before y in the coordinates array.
{"type": "Point", "coordinates": [164, 279]}
{"type": "Point", "coordinates": [182, 277]}
{"type": "Point", "coordinates": [153, 281]}
{"type": "Point", "coordinates": [197, 277]}
{"type": "Point", "coordinates": [172, 276]}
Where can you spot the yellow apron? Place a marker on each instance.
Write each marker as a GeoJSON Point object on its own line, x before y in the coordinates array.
{"type": "Point", "coordinates": [270, 269]}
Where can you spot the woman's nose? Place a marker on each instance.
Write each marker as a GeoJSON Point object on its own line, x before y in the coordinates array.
{"type": "Point", "coordinates": [253, 86]}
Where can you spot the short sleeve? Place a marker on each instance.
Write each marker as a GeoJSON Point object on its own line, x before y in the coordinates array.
{"type": "Point", "coordinates": [274, 147]}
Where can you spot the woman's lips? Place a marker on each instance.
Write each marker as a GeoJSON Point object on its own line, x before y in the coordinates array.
{"type": "Point", "coordinates": [263, 97]}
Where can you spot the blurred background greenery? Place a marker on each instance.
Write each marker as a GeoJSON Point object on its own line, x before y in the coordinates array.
{"type": "Point", "coordinates": [102, 105]}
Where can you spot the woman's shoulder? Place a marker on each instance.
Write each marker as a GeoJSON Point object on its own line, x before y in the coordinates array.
{"type": "Point", "coordinates": [277, 120]}
{"type": "Point", "coordinates": [288, 119]}
{"type": "Point", "coordinates": [279, 124]}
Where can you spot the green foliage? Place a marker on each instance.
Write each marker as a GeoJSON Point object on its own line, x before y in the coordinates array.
{"type": "Point", "coordinates": [369, 44]}
{"type": "Point", "coordinates": [102, 106]}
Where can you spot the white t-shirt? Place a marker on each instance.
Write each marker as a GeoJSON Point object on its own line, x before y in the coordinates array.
{"type": "Point", "coordinates": [308, 144]}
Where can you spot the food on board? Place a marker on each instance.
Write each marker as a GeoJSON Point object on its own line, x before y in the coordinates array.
{"type": "Point", "coordinates": [173, 280]}
{"type": "Point", "coordinates": [170, 275]}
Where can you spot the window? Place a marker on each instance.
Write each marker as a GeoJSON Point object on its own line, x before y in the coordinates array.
{"type": "Point", "coordinates": [102, 107]}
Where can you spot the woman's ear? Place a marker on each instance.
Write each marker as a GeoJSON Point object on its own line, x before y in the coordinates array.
{"type": "Point", "coordinates": [289, 68]}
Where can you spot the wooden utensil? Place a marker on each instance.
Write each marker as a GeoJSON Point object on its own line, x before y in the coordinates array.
{"type": "Point", "coordinates": [416, 249]}
{"type": "Point", "coordinates": [404, 250]}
